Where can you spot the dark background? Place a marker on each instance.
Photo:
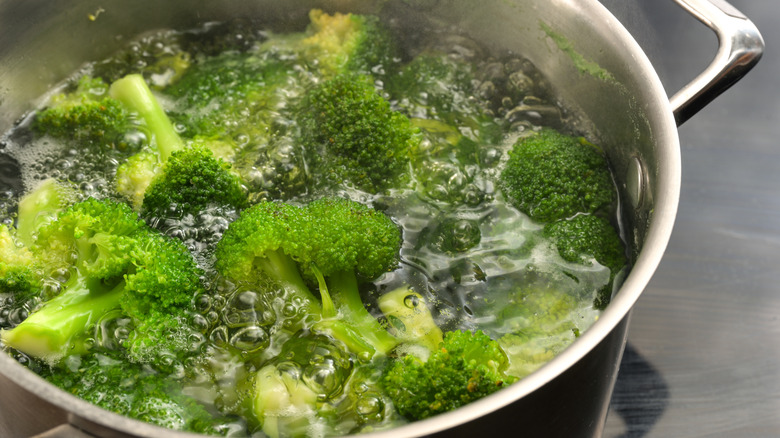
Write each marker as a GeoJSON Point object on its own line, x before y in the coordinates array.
{"type": "Point", "coordinates": [703, 357]}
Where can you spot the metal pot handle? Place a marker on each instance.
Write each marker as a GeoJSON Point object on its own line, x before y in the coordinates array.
{"type": "Point", "coordinates": [740, 48]}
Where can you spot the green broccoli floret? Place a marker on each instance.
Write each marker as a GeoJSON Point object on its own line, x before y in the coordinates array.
{"type": "Point", "coordinates": [341, 43]}
{"type": "Point", "coordinates": [584, 239]}
{"type": "Point", "coordinates": [465, 367]}
{"type": "Point", "coordinates": [85, 114]}
{"type": "Point", "coordinates": [114, 262]}
{"type": "Point", "coordinates": [191, 180]}
{"type": "Point", "coordinates": [174, 176]}
{"type": "Point", "coordinates": [551, 176]}
{"type": "Point", "coordinates": [333, 243]}
{"type": "Point", "coordinates": [135, 391]}
{"type": "Point", "coordinates": [352, 135]}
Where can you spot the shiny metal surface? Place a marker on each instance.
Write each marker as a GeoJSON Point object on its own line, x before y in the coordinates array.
{"type": "Point", "coordinates": [703, 357]}
{"type": "Point", "coordinates": [740, 48]}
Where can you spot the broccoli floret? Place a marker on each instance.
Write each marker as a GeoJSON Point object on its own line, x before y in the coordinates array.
{"type": "Point", "coordinates": [340, 43]}
{"type": "Point", "coordinates": [586, 238]}
{"type": "Point", "coordinates": [132, 390]}
{"type": "Point", "coordinates": [465, 367]}
{"type": "Point", "coordinates": [114, 262]}
{"type": "Point", "coordinates": [174, 176]}
{"type": "Point", "coordinates": [551, 176]}
{"type": "Point", "coordinates": [333, 243]}
{"type": "Point", "coordinates": [409, 318]}
{"type": "Point", "coordinates": [40, 205]}
{"type": "Point", "coordinates": [351, 134]}
{"type": "Point", "coordinates": [20, 270]}
{"type": "Point", "coordinates": [191, 180]}
{"type": "Point", "coordinates": [287, 394]}
{"type": "Point", "coordinates": [539, 321]}
{"type": "Point", "coordinates": [85, 114]}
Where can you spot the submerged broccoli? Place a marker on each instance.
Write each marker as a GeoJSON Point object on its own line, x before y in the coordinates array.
{"type": "Point", "coordinates": [174, 175]}
{"type": "Point", "coordinates": [352, 135]}
{"type": "Point", "coordinates": [465, 367]}
{"type": "Point", "coordinates": [116, 267]}
{"type": "Point", "coordinates": [85, 114]}
{"type": "Point", "coordinates": [136, 391]}
{"type": "Point", "coordinates": [584, 239]}
{"type": "Point", "coordinates": [551, 176]}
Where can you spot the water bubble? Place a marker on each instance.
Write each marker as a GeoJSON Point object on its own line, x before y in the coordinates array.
{"type": "Point", "coordinates": [412, 301]}
{"type": "Point", "coordinates": [250, 339]}
{"type": "Point", "coordinates": [370, 406]}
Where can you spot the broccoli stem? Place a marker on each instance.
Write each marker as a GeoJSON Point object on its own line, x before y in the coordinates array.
{"type": "Point", "coordinates": [343, 288]}
{"type": "Point", "coordinates": [133, 92]}
{"type": "Point", "coordinates": [282, 269]}
{"type": "Point", "coordinates": [59, 327]}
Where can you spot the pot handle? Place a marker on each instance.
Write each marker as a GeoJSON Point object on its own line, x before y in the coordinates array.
{"type": "Point", "coordinates": [740, 48]}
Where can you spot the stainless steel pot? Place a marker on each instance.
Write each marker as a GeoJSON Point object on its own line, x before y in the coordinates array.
{"type": "Point", "coordinates": [600, 72]}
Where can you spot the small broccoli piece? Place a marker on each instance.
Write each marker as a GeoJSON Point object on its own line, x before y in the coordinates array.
{"type": "Point", "coordinates": [40, 205]}
{"type": "Point", "coordinates": [20, 270]}
{"type": "Point", "coordinates": [310, 372]}
{"type": "Point", "coordinates": [436, 86]}
{"type": "Point", "coordinates": [585, 238]}
{"type": "Point", "coordinates": [334, 243]}
{"type": "Point", "coordinates": [537, 321]}
{"type": "Point", "coordinates": [132, 390]}
{"type": "Point", "coordinates": [341, 43]}
{"type": "Point", "coordinates": [85, 114]}
{"type": "Point", "coordinates": [352, 135]}
{"type": "Point", "coordinates": [191, 180]}
{"type": "Point", "coordinates": [114, 263]}
{"type": "Point", "coordinates": [551, 176]}
{"type": "Point", "coordinates": [174, 176]}
{"type": "Point", "coordinates": [465, 367]}
{"type": "Point", "coordinates": [410, 319]}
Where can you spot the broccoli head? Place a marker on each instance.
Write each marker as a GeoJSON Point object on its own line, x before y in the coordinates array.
{"type": "Point", "coordinates": [465, 367]}
{"type": "Point", "coordinates": [173, 176]}
{"type": "Point", "coordinates": [332, 243]}
{"type": "Point", "coordinates": [352, 135]}
{"type": "Point", "coordinates": [191, 180]}
{"type": "Point", "coordinates": [20, 271]}
{"type": "Point", "coordinates": [110, 382]}
{"type": "Point", "coordinates": [551, 176]}
{"type": "Point", "coordinates": [85, 114]}
{"type": "Point", "coordinates": [586, 238]}
{"type": "Point", "coordinates": [115, 266]}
